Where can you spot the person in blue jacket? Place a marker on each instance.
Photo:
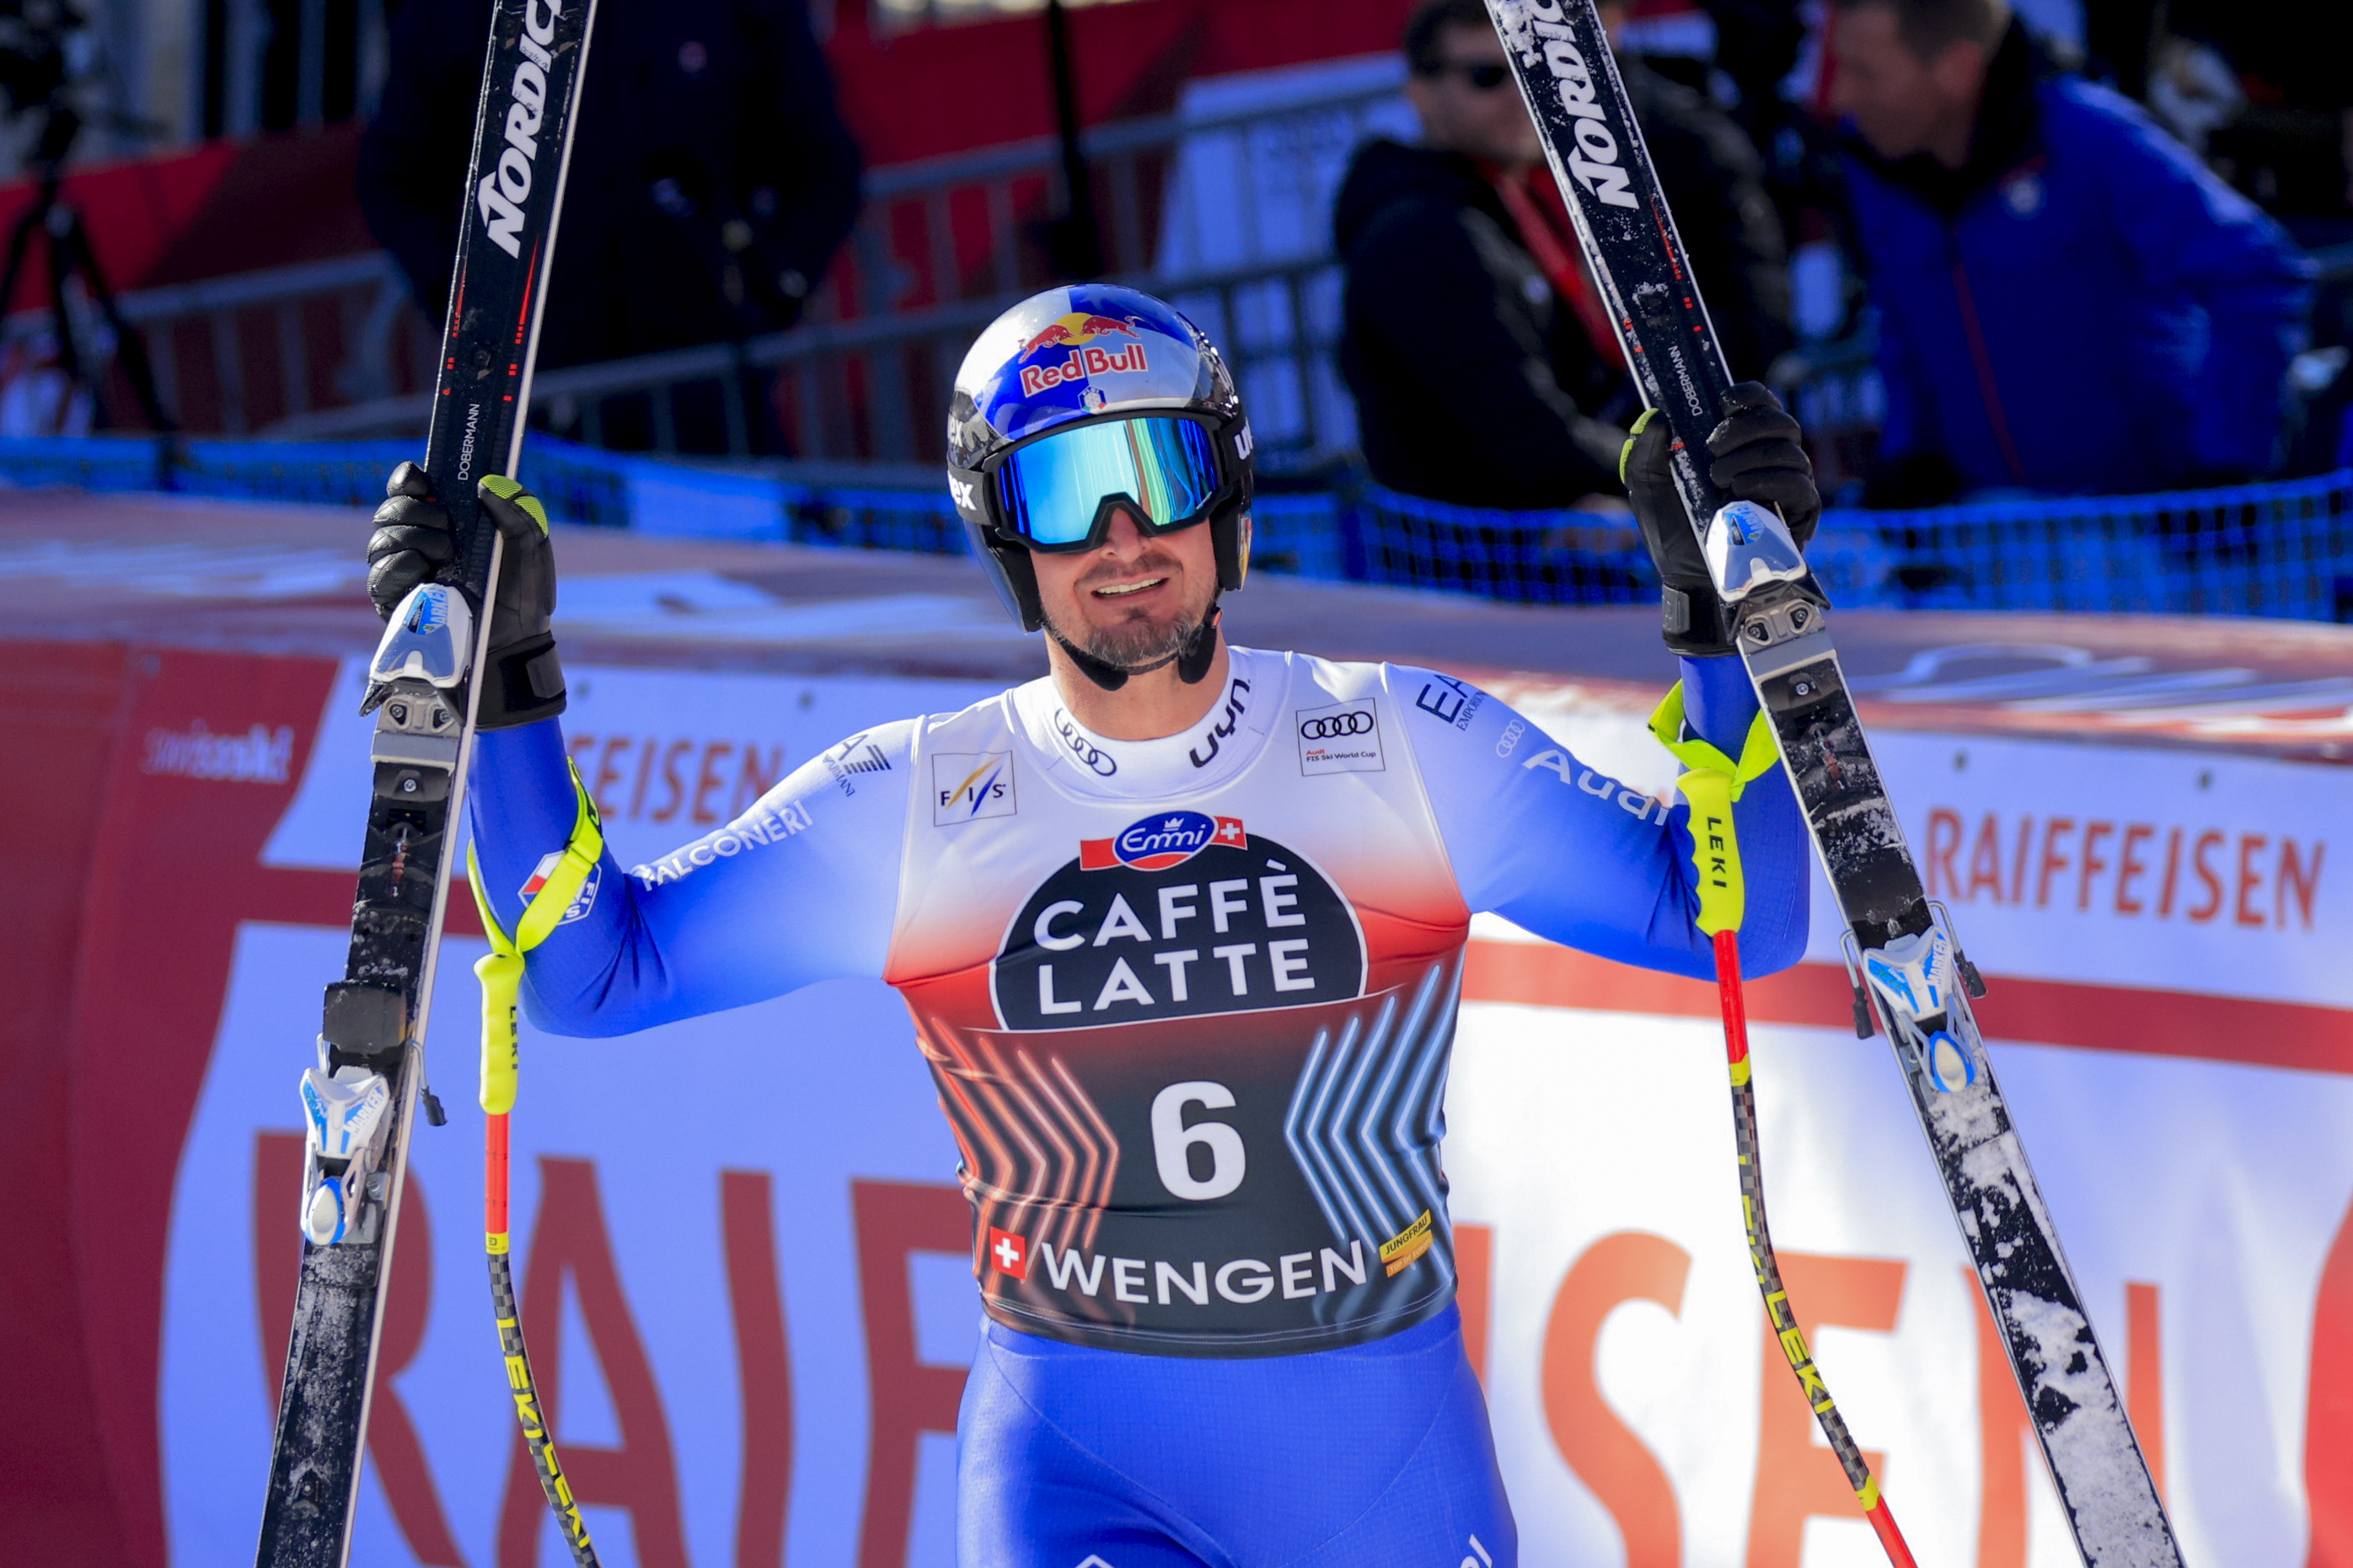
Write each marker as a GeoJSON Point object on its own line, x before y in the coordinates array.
{"type": "Point", "coordinates": [2069, 302]}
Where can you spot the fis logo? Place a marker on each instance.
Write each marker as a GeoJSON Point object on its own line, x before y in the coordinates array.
{"type": "Point", "coordinates": [1544, 34]}
{"type": "Point", "coordinates": [1089, 345]}
{"type": "Point", "coordinates": [968, 785]}
{"type": "Point", "coordinates": [501, 196]}
{"type": "Point", "coordinates": [582, 901]}
{"type": "Point", "coordinates": [1157, 843]}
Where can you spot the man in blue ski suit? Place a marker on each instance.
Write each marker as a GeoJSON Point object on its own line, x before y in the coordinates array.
{"type": "Point", "coordinates": [2068, 301]}
{"type": "Point", "coordinates": [1181, 929]}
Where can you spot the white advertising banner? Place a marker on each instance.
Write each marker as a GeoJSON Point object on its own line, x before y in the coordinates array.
{"type": "Point", "coordinates": [743, 1263]}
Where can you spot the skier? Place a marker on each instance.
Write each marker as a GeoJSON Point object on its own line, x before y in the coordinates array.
{"type": "Point", "coordinates": [1181, 926]}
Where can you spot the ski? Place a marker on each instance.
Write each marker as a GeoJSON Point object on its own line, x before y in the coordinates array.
{"type": "Point", "coordinates": [1906, 967]}
{"type": "Point", "coordinates": [360, 1101]}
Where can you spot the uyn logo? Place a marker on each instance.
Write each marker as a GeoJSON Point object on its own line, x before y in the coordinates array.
{"type": "Point", "coordinates": [501, 195]}
{"type": "Point", "coordinates": [1595, 159]}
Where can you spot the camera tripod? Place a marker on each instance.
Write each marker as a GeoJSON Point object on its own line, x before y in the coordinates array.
{"type": "Point", "coordinates": [58, 225]}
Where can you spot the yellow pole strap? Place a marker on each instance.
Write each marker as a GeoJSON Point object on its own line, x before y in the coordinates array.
{"type": "Point", "coordinates": [1712, 783]}
{"type": "Point", "coordinates": [501, 970]}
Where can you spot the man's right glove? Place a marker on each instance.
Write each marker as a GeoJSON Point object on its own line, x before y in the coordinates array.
{"type": "Point", "coordinates": [522, 683]}
{"type": "Point", "coordinates": [1754, 455]}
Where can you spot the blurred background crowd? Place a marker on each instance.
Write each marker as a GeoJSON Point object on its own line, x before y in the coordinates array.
{"type": "Point", "coordinates": [1988, 248]}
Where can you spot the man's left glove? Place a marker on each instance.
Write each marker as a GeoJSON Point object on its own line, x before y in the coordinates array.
{"type": "Point", "coordinates": [1754, 455]}
{"type": "Point", "coordinates": [522, 682]}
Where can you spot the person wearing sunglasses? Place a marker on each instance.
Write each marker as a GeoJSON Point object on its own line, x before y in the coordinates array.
{"type": "Point", "coordinates": [1181, 927]}
{"type": "Point", "coordinates": [1483, 365]}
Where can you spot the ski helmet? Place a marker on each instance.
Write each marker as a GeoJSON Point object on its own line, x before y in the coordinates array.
{"type": "Point", "coordinates": [1088, 354]}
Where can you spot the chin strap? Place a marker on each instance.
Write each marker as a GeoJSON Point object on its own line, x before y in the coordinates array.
{"type": "Point", "coordinates": [1192, 661]}
{"type": "Point", "coordinates": [1110, 676]}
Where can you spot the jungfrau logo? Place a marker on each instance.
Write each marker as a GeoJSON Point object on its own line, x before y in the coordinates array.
{"type": "Point", "coordinates": [501, 195]}
{"type": "Point", "coordinates": [1594, 159]}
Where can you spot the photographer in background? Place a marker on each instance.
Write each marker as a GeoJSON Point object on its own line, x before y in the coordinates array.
{"type": "Point", "coordinates": [711, 178]}
{"type": "Point", "coordinates": [1481, 358]}
{"type": "Point", "coordinates": [2068, 301]}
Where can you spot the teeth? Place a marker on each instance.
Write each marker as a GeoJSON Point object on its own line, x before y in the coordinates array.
{"type": "Point", "coordinates": [1131, 588]}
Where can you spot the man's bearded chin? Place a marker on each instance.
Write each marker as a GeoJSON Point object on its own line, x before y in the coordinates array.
{"type": "Point", "coordinates": [1136, 645]}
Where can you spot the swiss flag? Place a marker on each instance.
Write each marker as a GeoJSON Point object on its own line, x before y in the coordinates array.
{"type": "Point", "coordinates": [1008, 1252]}
{"type": "Point", "coordinates": [1230, 831]}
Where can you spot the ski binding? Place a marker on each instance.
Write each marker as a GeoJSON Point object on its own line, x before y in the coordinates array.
{"type": "Point", "coordinates": [1911, 979]}
{"type": "Point", "coordinates": [1747, 546]}
{"type": "Point", "coordinates": [343, 1172]}
{"type": "Point", "coordinates": [431, 637]}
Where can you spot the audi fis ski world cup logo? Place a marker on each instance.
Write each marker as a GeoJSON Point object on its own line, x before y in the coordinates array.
{"type": "Point", "coordinates": [1537, 29]}
{"type": "Point", "coordinates": [501, 196]}
{"type": "Point", "coordinates": [1090, 345]}
{"type": "Point", "coordinates": [1159, 843]}
{"type": "Point", "coordinates": [1343, 738]}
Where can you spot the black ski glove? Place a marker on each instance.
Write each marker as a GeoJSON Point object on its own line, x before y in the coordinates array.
{"type": "Point", "coordinates": [1754, 455]}
{"type": "Point", "coordinates": [522, 682]}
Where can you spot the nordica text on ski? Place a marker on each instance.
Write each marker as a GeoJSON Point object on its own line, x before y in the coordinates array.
{"type": "Point", "coordinates": [1595, 159]}
{"type": "Point", "coordinates": [501, 195]}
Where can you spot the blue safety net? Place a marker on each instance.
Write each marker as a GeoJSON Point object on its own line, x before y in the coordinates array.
{"type": "Point", "coordinates": [2283, 549]}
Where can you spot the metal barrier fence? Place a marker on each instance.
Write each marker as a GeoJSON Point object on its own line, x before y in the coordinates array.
{"type": "Point", "coordinates": [336, 349]}
{"type": "Point", "coordinates": [2274, 549]}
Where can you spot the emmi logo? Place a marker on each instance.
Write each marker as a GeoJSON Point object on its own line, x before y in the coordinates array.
{"type": "Point", "coordinates": [1595, 159]}
{"type": "Point", "coordinates": [1158, 843]}
{"type": "Point", "coordinates": [501, 195]}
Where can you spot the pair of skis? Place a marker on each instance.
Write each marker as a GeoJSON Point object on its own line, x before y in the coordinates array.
{"type": "Point", "coordinates": [1902, 956]}
{"type": "Point", "coordinates": [362, 1099]}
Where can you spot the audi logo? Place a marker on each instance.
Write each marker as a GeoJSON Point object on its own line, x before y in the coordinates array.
{"type": "Point", "coordinates": [1085, 751]}
{"type": "Point", "coordinates": [1334, 726]}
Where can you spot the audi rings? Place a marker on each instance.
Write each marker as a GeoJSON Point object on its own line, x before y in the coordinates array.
{"type": "Point", "coordinates": [1086, 751]}
{"type": "Point", "coordinates": [1331, 727]}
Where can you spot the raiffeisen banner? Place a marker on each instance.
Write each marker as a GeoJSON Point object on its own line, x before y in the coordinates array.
{"type": "Point", "coordinates": [746, 1270]}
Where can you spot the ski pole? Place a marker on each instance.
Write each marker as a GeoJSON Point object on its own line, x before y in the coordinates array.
{"type": "Point", "coordinates": [1711, 785]}
{"type": "Point", "coordinates": [501, 972]}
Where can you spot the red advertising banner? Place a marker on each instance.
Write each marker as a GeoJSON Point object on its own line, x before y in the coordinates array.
{"type": "Point", "coordinates": [746, 1271]}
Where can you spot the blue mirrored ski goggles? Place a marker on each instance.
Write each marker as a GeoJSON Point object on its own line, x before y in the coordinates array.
{"type": "Point", "coordinates": [1058, 492]}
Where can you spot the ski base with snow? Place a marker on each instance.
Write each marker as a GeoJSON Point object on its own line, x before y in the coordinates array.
{"type": "Point", "coordinates": [1910, 975]}
{"type": "Point", "coordinates": [361, 1100]}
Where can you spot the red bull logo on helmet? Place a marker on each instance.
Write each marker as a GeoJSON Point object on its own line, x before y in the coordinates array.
{"type": "Point", "coordinates": [1091, 345]}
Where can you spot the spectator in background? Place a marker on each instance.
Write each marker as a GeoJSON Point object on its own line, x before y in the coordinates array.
{"type": "Point", "coordinates": [711, 178]}
{"type": "Point", "coordinates": [2068, 301]}
{"type": "Point", "coordinates": [1482, 363]}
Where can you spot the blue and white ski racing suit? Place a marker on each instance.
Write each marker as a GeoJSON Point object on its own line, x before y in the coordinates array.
{"type": "Point", "coordinates": [1189, 1004]}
